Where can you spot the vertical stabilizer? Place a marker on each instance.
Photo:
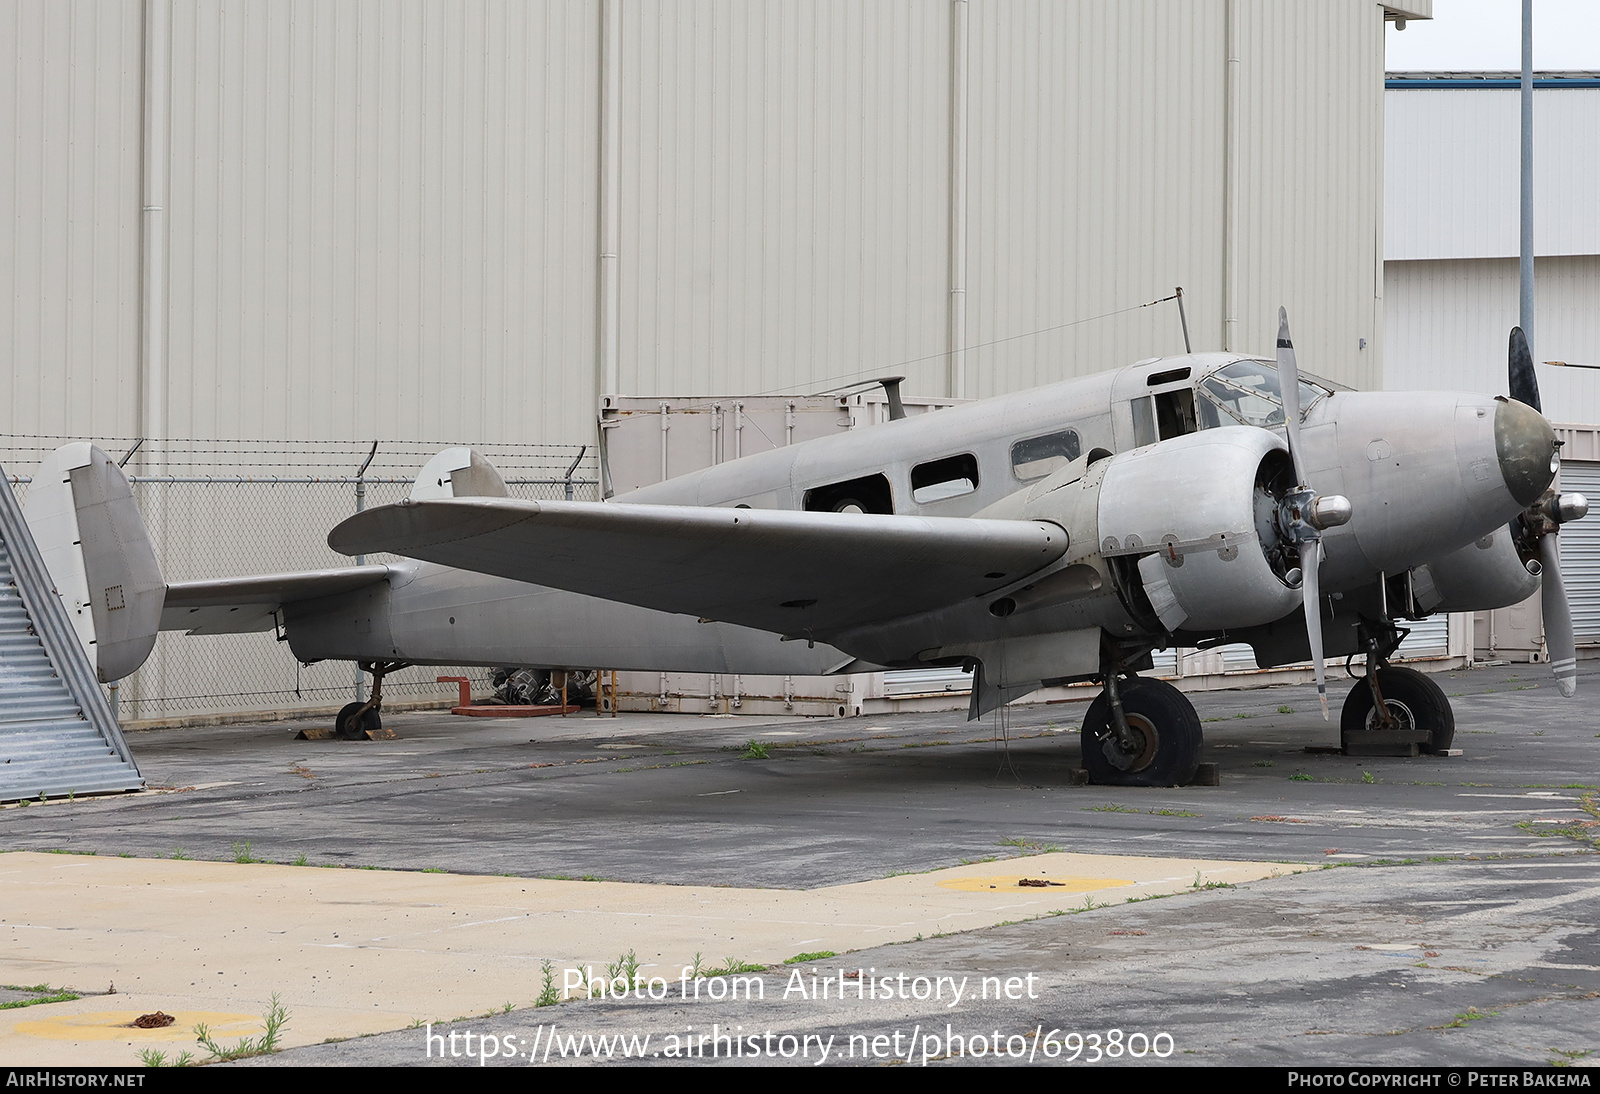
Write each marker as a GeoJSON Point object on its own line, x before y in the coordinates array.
{"type": "Point", "coordinates": [83, 517]}
{"type": "Point", "coordinates": [458, 473]}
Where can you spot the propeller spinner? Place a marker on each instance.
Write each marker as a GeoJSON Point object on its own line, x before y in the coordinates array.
{"type": "Point", "coordinates": [1303, 514]}
{"type": "Point", "coordinates": [1536, 529]}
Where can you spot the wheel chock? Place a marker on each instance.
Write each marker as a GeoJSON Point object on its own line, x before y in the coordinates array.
{"type": "Point", "coordinates": [1385, 742]}
{"type": "Point", "coordinates": [325, 733]}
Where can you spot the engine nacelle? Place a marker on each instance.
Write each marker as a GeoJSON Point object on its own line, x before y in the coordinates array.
{"type": "Point", "coordinates": [1197, 512]}
{"type": "Point", "coordinates": [1480, 576]}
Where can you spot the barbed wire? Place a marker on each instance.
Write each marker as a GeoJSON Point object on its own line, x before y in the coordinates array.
{"type": "Point", "coordinates": [341, 457]}
{"type": "Point", "coordinates": [357, 444]}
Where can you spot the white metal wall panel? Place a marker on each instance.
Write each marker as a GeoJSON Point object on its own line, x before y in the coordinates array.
{"type": "Point", "coordinates": [1453, 178]}
{"type": "Point", "coordinates": [383, 214]}
{"type": "Point", "coordinates": [1428, 638]}
{"type": "Point", "coordinates": [1312, 183]}
{"type": "Point", "coordinates": [1448, 322]}
{"type": "Point", "coordinates": [1233, 657]}
{"type": "Point", "coordinates": [1095, 184]}
{"type": "Point", "coordinates": [383, 219]}
{"type": "Point", "coordinates": [69, 215]}
{"type": "Point", "coordinates": [784, 193]}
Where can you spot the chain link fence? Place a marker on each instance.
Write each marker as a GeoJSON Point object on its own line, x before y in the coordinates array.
{"type": "Point", "coordinates": [236, 508]}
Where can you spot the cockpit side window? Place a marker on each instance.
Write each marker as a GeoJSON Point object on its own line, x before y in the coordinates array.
{"type": "Point", "coordinates": [1175, 413]}
{"type": "Point", "coordinates": [1248, 392]}
{"type": "Point", "coordinates": [1040, 456]}
{"type": "Point", "coordinates": [1164, 415]}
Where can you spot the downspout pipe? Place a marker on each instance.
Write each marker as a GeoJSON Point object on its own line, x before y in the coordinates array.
{"type": "Point", "coordinates": [1230, 180]}
{"type": "Point", "coordinates": [958, 200]}
{"type": "Point", "coordinates": [153, 231]}
{"type": "Point", "coordinates": [610, 193]}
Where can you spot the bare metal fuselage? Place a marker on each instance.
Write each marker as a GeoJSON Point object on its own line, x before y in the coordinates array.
{"type": "Point", "coordinates": [1425, 473]}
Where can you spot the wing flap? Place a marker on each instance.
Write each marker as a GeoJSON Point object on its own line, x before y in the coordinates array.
{"type": "Point", "coordinates": [796, 573]}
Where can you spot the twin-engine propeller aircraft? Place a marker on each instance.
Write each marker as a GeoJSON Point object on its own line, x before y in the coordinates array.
{"type": "Point", "coordinates": [1046, 537]}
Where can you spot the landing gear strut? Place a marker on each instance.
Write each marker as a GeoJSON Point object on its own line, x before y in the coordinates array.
{"type": "Point", "coordinates": [1141, 732]}
{"type": "Point", "coordinates": [1393, 711]}
{"type": "Point", "coordinates": [356, 720]}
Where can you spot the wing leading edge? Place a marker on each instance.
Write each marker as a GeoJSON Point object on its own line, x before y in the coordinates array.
{"type": "Point", "coordinates": [801, 574]}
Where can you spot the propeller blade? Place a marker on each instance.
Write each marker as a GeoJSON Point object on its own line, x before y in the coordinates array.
{"type": "Point", "coordinates": [1304, 527]}
{"type": "Point", "coordinates": [1310, 565]}
{"type": "Point", "coordinates": [1557, 618]}
{"type": "Point", "coordinates": [1289, 387]}
{"type": "Point", "coordinates": [1523, 382]}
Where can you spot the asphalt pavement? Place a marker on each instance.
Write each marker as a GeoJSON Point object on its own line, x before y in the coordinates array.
{"type": "Point", "coordinates": [1430, 910]}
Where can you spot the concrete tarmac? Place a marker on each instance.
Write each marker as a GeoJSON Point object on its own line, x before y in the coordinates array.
{"type": "Point", "coordinates": [1461, 926]}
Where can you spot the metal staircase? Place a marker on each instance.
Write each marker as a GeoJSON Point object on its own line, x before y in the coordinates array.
{"type": "Point", "coordinates": [57, 736]}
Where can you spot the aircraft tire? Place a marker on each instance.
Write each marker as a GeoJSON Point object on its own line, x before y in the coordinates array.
{"type": "Point", "coordinates": [1413, 697]}
{"type": "Point", "coordinates": [1169, 725]}
{"type": "Point", "coordinates": [346, 728]}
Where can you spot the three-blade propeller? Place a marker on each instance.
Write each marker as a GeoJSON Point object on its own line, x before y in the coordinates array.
{"type": "Point", "coordinates": [1303, 514]}
{"type": "Point", "coordinates": [1535, 532]}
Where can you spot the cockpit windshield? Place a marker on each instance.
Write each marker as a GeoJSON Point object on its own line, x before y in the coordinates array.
{"type": "Point", "coordinates": [1247, 392]}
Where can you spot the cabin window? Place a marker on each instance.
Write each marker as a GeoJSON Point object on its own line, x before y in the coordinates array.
{"type": "Point", "coordinates": [869, 494]}
{"type": "Point", "coordinates": [947, 478]}
{"type": "Point", "coordinates": [1040, 456]}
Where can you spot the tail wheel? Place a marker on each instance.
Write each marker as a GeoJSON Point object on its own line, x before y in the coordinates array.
{"type": "Point", "coordinates": [1415, 701]}
{"type": "Point", "coordinates": [1166, 733]}
{"type": "Point", "coordinates": [352, 725]}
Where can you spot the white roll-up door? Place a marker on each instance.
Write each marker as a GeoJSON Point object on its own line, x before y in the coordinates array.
{"type": "Point", "coordinates": [899, 682]}
{"type": "Point", "coordinates": [1429, 637]}
{"type": "Point", "coordinates": [1580, 552]}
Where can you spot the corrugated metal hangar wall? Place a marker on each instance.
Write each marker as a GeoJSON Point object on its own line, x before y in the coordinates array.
{"type": "Point", "coordinates": [464, 220]}
{"type": "Point", "coordinates": [401, 218]}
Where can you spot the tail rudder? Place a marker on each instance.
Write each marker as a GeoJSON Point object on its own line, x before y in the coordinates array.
{"type": "Point", "coordinates": [81, 511]}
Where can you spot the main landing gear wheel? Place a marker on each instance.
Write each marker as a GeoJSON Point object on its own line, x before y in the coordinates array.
{"type": "Point", "coordinates": [1415, 701]}
{"type": "Point", "coordinates": [352, 725]}
{"type": "Point", "coordinates": [1166, 730]}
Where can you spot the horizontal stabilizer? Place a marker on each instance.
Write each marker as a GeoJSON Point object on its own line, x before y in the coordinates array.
{"type": "Point", "coordinates": [235, 605]}
{"type": "Point", "coordinates": [802, 574]}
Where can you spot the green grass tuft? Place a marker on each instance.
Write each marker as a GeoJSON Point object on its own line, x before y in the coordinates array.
{"type": "Point", "coordinates": [801, 958]}
{"type": "Point", "coordinates": [276, 1019]}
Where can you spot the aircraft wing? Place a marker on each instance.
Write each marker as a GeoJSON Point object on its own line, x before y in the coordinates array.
{"type": "Point", "coordinates": [236, 605]}
{"type": "Point", "coordinates": [801, 574]}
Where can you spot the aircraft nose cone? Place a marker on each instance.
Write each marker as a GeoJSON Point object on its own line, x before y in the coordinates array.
{"type": "Point", "coordinates": [1526, 446]}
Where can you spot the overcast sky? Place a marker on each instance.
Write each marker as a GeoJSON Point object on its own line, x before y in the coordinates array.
{"type": "Point", "coordinates": [1486, 35]}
